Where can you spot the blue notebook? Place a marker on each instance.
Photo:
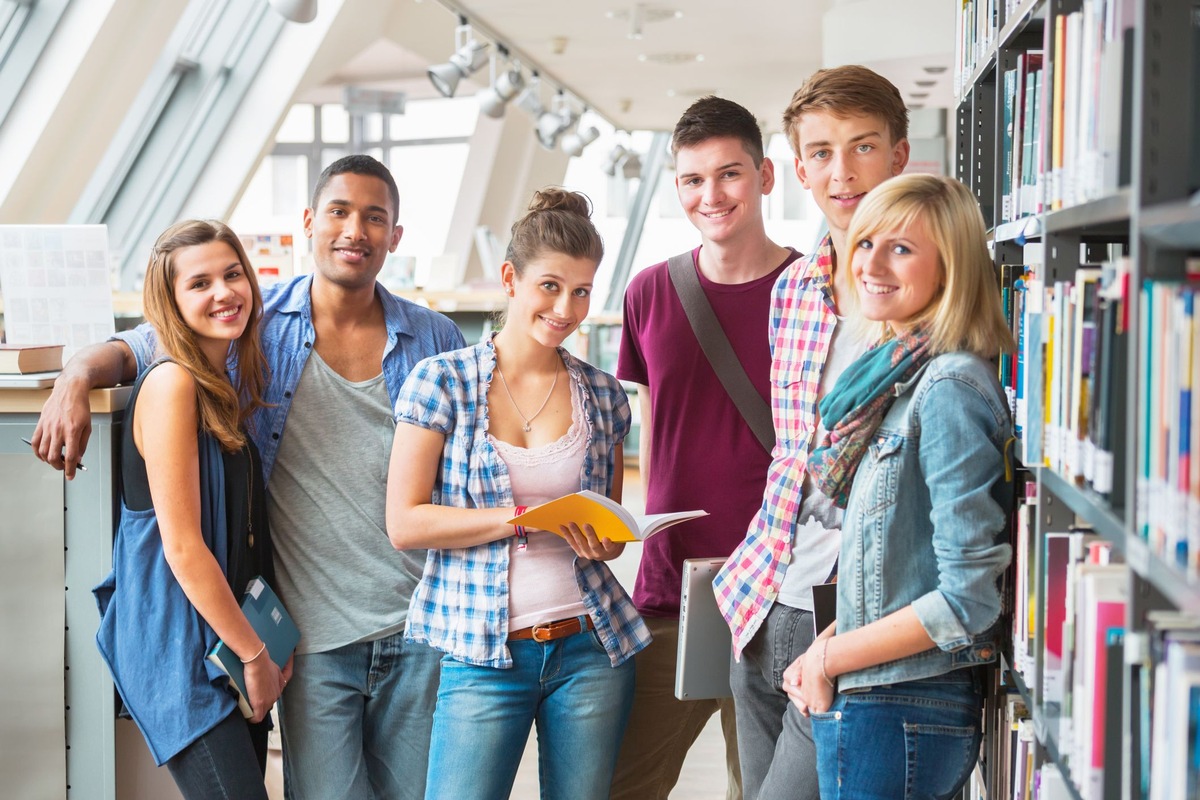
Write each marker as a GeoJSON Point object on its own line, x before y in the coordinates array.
{"type": "Point", "coordinates": [273, 625]}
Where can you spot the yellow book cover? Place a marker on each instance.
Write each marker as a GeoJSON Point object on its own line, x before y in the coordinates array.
{"type": "Point", "coordinates": [607, 517]}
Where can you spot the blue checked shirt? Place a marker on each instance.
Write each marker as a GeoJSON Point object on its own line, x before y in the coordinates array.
{"type": "Point", "coordinates": [461, 604]}
{"type": "Point", "coordinates": [288, 337]}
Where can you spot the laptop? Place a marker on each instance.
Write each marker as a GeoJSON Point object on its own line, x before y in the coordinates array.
{"type": "Point", "coordinates": [705, 644]}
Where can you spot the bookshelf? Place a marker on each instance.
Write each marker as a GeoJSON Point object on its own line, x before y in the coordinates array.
{"type": "Point", "coordinates": [1078, 130]}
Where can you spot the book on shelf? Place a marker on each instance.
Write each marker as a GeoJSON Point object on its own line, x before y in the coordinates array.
{"type": "Point", "coordinates": [1024, 587]}
{"type": "Point", "coordinates": [1088, 119]}
{"type": "Point", "coordinates": [609, 518]}
{"type": "Point", "coordinates": [1175, 728]}
{"type": "Point", "coordinates": [22, 359]}
{"type": "Point", "coordinates": [273, 625]}
{"type": "Point", "coordinates": [1168, 484]}
{"type": "Point", "coordinates": [1102, 595]}
{"type": "Point", "coordinates": [1071, 344]}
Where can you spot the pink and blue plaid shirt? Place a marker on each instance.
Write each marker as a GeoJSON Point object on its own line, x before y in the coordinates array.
{"type": "Point", "coordinates": [802, 322]}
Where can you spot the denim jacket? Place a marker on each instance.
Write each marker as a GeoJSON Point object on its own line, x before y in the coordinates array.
{"type": "Point", "coordinates": [925, 524]}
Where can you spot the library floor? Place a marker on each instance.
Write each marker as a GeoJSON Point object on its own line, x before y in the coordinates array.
{"type": "Point", "coordinates": [703, 775]}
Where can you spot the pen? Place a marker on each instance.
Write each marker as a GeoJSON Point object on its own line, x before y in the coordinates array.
{"type": "Point", "coordinates": [77, 466]}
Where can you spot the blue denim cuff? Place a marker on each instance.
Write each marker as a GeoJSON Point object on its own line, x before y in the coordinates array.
{"type": "Point", "coordinates": [940, 622]}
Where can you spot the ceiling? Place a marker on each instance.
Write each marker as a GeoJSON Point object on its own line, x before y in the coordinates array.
{"type": "Point", "coordinates": [757, 53]}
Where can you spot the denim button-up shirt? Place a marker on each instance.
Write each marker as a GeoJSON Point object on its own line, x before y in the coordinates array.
{"type": "Point", "coordinates": [926, 520]}
{"type": "Point", "coordinates": [461, 604]}
{"type": "Point", "coordinates": [288, 337]}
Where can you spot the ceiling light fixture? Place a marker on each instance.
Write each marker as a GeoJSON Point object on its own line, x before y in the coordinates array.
{"type": "Point", "coordinates": [671, 59]}
{"type": "Point", "coordinates": [621, 157]}
{"type": "Point", "coordinates": [640, 14]}
{"type": "Point", "coordinates": [631, 167]}
{"type": "Point", "coordinates": [504, 87]}
{"type": "Point", "coordinates": [934, 70]}
{"type": "Point", "coordinates": [552, 124]}
{"type": "Point", "coordinates": [530, 99]}
{"type": "Point", "coordinates": [574, 141]}
{"type": "Point", "coordinates": [614, 159]}
{"type": "Point", "coordinates": [469, 56]}
{"type": "Point", "coordinates": [295, 10]}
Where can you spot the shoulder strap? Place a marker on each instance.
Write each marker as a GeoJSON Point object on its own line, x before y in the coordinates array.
{"type": "Point", "coordinates": [719, 351]}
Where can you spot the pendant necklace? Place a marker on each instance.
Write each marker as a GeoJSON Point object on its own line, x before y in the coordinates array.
{"type": "Point", "coordinates": [529, 420]}
{"type": "Point", "coordinates": [249, 496]}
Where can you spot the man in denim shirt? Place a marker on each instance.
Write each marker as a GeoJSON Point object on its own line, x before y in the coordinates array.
{"type": "Point", "coordinates": [357, 711]}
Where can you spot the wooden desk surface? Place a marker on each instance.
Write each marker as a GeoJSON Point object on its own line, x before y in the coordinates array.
{"type": "Point", "coordinates": [102, 401]}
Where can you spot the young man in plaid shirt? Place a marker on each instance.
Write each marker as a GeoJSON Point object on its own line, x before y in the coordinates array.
{"type": "Point", "coordinates": [848, 128]}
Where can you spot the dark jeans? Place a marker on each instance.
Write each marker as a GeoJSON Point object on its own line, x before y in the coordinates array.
{"type": "Point", "coordinates": [227, 763]}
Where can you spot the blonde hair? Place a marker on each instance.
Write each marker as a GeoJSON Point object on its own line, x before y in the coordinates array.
{"type": "Point", "coordinates": [844, 92]}
{"type": "Point", "coordinates": [223, 409]}
{"type": "Point", "coordinates": [966, 313]}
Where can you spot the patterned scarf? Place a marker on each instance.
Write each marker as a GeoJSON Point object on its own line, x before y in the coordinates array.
{"type": "Point", "coordinates": [857, 404]}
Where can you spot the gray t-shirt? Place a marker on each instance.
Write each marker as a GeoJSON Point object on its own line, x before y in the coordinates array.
{"type": "Point", "coordinates": [338, 574]}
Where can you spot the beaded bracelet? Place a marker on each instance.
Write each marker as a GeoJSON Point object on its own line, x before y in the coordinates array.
{"type": "Point", "coordinates": [522, 536]}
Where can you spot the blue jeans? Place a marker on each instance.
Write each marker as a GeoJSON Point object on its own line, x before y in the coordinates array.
{"type": "Point", "coordinates": [569, 687]}
{"type": "Point", "coordinates": [227, 762]}
{"type": "Point", "coordinates": [356, 721]}
{"type": "Point", "coordinates": [920, 735]}
{"type": "Point", "coordinates": [774, 740]}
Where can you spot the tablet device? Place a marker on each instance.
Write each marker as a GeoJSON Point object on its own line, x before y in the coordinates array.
{"type": "Point", "coordinates": [705, 644]}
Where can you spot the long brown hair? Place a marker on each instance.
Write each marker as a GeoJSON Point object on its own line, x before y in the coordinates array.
{"type": "Point", "coordinates": [223, 408]}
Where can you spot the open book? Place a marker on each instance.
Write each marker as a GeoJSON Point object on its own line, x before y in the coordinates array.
{"type": "Point", "coordinates": [607, 517]}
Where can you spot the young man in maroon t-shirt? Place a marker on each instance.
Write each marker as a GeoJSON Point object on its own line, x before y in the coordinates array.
{"type": "Point", "coordinates": [696, 450]}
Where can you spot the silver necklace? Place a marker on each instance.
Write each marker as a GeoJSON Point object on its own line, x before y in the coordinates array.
{"type": "Point", "coordinates": [529, 420]}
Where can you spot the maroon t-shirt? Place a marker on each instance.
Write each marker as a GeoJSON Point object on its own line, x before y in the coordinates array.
{"type": "Point", "coordinates": [702, 453]}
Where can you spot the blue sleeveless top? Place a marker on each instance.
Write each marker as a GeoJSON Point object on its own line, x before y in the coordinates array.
{"type": "Point", "coordinates": [152, 638]}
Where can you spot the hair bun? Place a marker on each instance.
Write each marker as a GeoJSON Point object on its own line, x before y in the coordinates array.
{"type": "Point", "coordinates": [554, 198]}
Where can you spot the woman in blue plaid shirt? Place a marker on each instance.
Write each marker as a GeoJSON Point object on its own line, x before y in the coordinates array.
{"type": "Point", "coordinates": [534, 627]}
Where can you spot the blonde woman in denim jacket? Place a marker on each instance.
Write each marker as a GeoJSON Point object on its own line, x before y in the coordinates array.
{"type": "Point", "coordinates": [917, 453]}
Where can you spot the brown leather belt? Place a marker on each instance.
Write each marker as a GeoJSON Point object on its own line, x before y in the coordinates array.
{"type": "Point", "coordinates": [549, 631]}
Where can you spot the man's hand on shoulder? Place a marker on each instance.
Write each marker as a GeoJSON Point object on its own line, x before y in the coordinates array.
{"type": "Point", "coordinates": [65, 424]}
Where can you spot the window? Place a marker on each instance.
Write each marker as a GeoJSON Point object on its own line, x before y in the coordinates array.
{"type": "Point", "coordinates": [425, 148]}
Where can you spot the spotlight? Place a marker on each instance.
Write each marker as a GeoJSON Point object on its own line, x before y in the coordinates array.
{"type": "Point", "coordinates": [530, 99]}
{"type": "Point", "coordinates": [614, 159]}
{"type": "Point", "coordinates": [505, 87]}
{"type": "Point", "coordinates": [574, 141]}
{"type": "Point", "coordinates": [553, 124]}
{"type": "Point", "coordinates": [469, 56]}
{"type": "Point", "coordinates": [550, 125]}
{"type": "Point", "coordinates": [631, 167]}
{"type": "Point", "coordinates": [295, 10]}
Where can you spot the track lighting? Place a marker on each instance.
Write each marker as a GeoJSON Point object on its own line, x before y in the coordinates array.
{"type": "Point", "coordinates": [469, 56]}
{"type": "Point", "coordinates": [574, 141]}
{"type": "Point", "coordinates": [530, 99]}
{"type": "Point", "coordinates": [614, 159]}
{"type": "Point", "coordinates": [551, 125]}
{"type": "Point", "coordinates": [504, 87]}
{"type": "Point", "coordinates": [631, 167]}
